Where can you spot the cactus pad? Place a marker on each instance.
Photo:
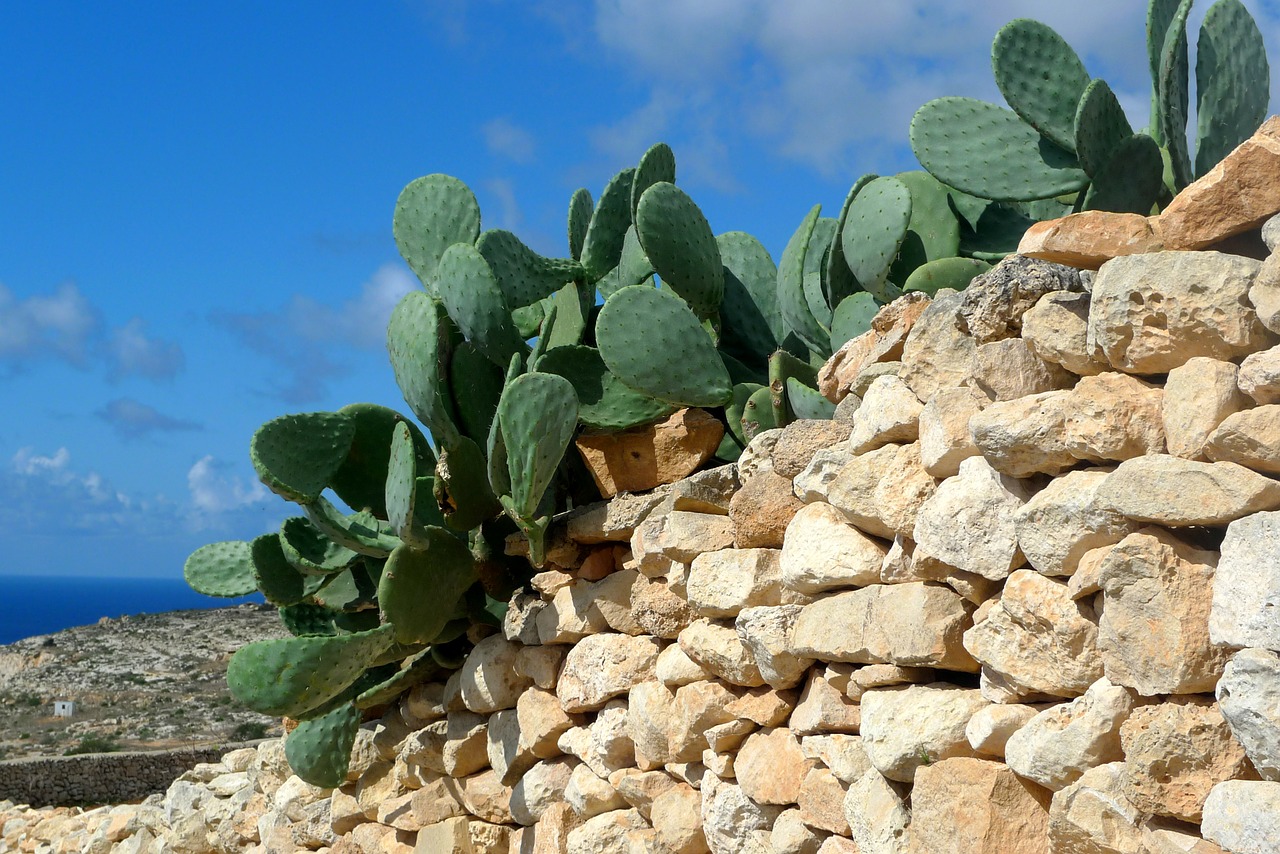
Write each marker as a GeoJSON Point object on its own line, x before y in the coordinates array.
{"type": "Point", "coordinates": [311, 552]}
{"type": "Point", "coordinates": [462, 488]}
{"type": "Point", "coordinates": [837, 278]}
{"type": "Point", "coordinates": [1041, 77]}
{"type": "Point", "coordinates": [296, 456]}
{"type": "Point", "coordinates": [221, 569]}
{"type": "Point", "coordinates": [757, 414]}
{"type": "Point", "coordinates": [418, 342]}
{"type": "Point", "coordinates": [319, 750]}
{"type": "Point", "coordinates": [602, 246]}
{"type": "Point", "coordinates": [656, 165]}
{"type": "Point", "coordinates": [652, 341]}
{"type": "Point", "coordinates": [1172, 96]}
{"type": "Point", "coordinates": [852, 317]}
{"type": "Point", "coordinates": [791, 294]}
{"type": "Point", "coordinates": [420, 587]}
{"type": "Point", "coordinates": [751, 325]}
{"type": "Point", "coordinates": [359, 480]}
{"type": "Point", "coordinates": [1132, 179]}
{"type": "Point", "coordinates": [402, 484]}
{"type": "Point", "coordinates": [1101, 126]}
{"type": "Point", "coordinates": [281, 584]}
{"type": "Point", "coordinates": [523, 275]}
{"type": "Point", "coordinates": [933, 231]}
{"type": "Point", "coordinates": [361, 532]}
{"type": "Point", "coordinates": [815, 261]}
{"type": "Point", "coordinates": [433, 213]}
{"type": "Point", "coordinates": [580, 208]}
{"type": "Point", "coordinates": [678, 242]}
{"type": "Point", "coordinates": [305, 619]}
{"type": "Point", "coordinates": [538, 413]}
{"type": "Point", "coordinates": [352, 590]}
{"type": "Point", "coordinates": [874, 229]}
{"type": "Point", "coordinates": [1232, 82]}
{"type": "Point", "coordinates": [475, 302]}
{"type": "Point", "coordinates": [808, 403]}
{"type": "Point", "coordinates": [954, 273]}
{"type": "Point", "coordinates": [604, 402]}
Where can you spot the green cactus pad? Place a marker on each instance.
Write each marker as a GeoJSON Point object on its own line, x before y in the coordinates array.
{"type": "Point", "coordinates": [292, 676]}
{"type": "Point", "coordinates": [1160, 15]}
{"type": "Point", "coordinates": [815, 261]}
{"type": "Point", "coordinates": [933, 231]}
{"type": "Point", "coordinates": [476, 303]}
{"type": "Point", "coordinates": [791, 295]}
{"type": "Point", "coordinates": [852, 317]}
{"type": "Point", "coordinates": [1000, 229]}
{"type": "Point", "coordinates": [808, 403]}
{"type": "Point", "coordinates": [307, 620]}
{"type": "Point", "coordinates": [604, 402]}
{"type": "Point", "coordinates": [296, 456]}
{"type": "Point", "coordinates": [475, 383]}
{"type": "Point", "coordinates": [421, 586]}
{"type": "Point", "coordinates": [837, 278]}
{"type": "Point", "coordinates": [751, 324]}
{"type": "Point", "coordinates": [496, 446]}
{"type": "Point", "coordinates": [737, 404]}
{"type": "Point", "coordinates": [875, 228]}
{"type": "Point", "coordinates": [528, 320]}
{"type": "Point", "coordinates": [1132, 180]}
{"type": "Point", "coordinates": [359, 481]}
{"type": "Point", "coordinates": [419, 667]}
{"type": "Point", "coordinates": [602, 247]}
{"type": "Point", "coordinates": [361, 532]}
{"type": "Point", "coordinates": [678, 241]}
{"type": "Point", "coordinates": [987, 151]}
{"type": "Point", "coordinates": [538, 413]}
{"type": "Point", "coordinates": [581, 207]}
{"type": "Point", "coordinates": [280, 583]}
{"type": "Point", "coordinates": [1101, 125]}
{"type": "Point", "coordinates": [1173, 96]}
{"type": "Point", "coordinates": [658, 164]}
{"type": "Point", "coordinates": [462, 488]}
{"type": "Point", "coordinates": [523, 275]}
{"type": "Point", "coordinates": [319, 750]}
{"type": "Point", "coordinates": [652, 342]}
{"type": "Point", "coordinates": [954, 273]}
{"type": "Point", "coordinates": [309, 551]}
{"type": "Point", "coordinates": [353, 589]}
{"type": "Point", "coordinates": [757, 414]}
{"type": "Point", "coordinates": [1232, 82]}
{"type": "Point", "coordinates": [419, 341]}
{"type": "Point", "coordinates": [402, 485]}
{"type": "Point", "coordinates": [573, 307]}
{"type": "Point", "coordinates": [432, 214]}
{"type": "Point", "coordinates": [633, 267]}
{"type": "Point", "coordinates": [1041, 77]}
{"type": "Point", "coordinates": [221, 569]}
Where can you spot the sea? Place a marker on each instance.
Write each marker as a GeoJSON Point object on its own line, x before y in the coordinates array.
{"type": "Point", "coordinates": [41, 604]}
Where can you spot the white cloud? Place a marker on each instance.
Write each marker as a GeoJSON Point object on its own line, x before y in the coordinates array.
{"type": "Point", "coordinates": [27, 462]}
{"type": "Point", "coordinates": [60, 325]}
{"type": "Point", "coordinates": [52, 496]}
{"type": "Point", "coordinates": [131, 351]}
{"type": "Point", "coordinates": [214, 490]}
{"type": "Point", "coordinates": [507, 139]}
{"type": "Point", "coordinates": [509, 215]}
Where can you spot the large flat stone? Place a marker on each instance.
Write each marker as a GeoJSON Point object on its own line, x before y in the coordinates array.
{"type": "Point", "coordinates": [639, 459]}
{"type": "Point", "coordinates": [1175, 492]}
{"type": "Point", "coordinates": [1246, 586]}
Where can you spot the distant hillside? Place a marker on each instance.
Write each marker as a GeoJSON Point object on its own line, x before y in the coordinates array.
{"type": "Point", "coordinates": [146, 681]}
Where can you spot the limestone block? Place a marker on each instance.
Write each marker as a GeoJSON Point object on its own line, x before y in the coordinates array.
{"type": "Point", "coordinates": [822, 551]}
{"type": "Point", "coordinates": [803, 438]}
{"type": "Point", "coordinates": [812, 484]}
{"type": "Point", "coordinates": [541, 786]}
{"type": "Point", "coordinates": [641, 458]}
{"type": "Point", "coordinates": [677, 820]}
{"type": "Point", "coordinates": [720, 651]}
{"type": "Point", "coordinates": [687, 535]}
{"type": "Point", "coordinates": [466, 749]}
{"type": "Point", "coordinates": [1246, 586]}
{"type": "Point", "coordinates": [509, 754]}
{"type": "Point", "coordinates": [890, 413]}
{"type": "Point", "coordinates": [877, 814]}
{"type": "Point", "coordinates": [968, 523]}
{"type": "Point", "coordinates": [1198, 396]}
{"type": "Point", "coordinates": [938, 353]}
{"type": "Point", "coordinates": [1250, 438]}
{"type": "Point", "coordinates": [658, 609]}
{"type": "Point", "coordinates": [770, 766]}
{"type": "Point", "coordinates": [640, 789]}
{"type": "Point", "coordinates": [907, 727]}
{"type": "Point", "coordinates": [881, 492]}
{"type": "Point", "coordinates": [1057, 328]}
{"type": "Point", "coordinates": [993, 304]}
{"type": "Point", "coordinates": [1249, 698]}
{"type": "Point", "coordinates": [976, 806]}
{"type": "Point", "coordinates": [674, 668]}
{"type": "Point", "coordinates": [1009, 369]}
{"type": "Point", "coordinates": [842, 753]}
{"type": "Point", "coordinates": [484, 796]}
{"type": "Point", "coordinates": [760, 512]}
{"type": "Point", "coordinates": [1089, 238]}
{"type": "Point", "coordinates": [883, 342]}
{"type": "Point", "coordinates": [571, 614]}
{"type": "Point", "coordinates": [822, 801]}
{"type": "Point", "coordinates": [1025, 436]}
{"type": "Point", "coordinates": [605, 745]}
{"type": "Point", "coordinates": [1064, 520]}
{"type": "Point", "coordinates": [708, 491]}
{"type": "Point", "coordinates": [604, 666]}
{"type": "Point", "coordinates": [541, 664]}
{"type": "Point", "coordinates": [824, 707]}
{"type": "Point", "coordinates": [589, 795]}
{"type": "Point", "coordinates": [757, 457]}
{"type": "Point", "coordinates": [989, 729]}
{"type": "Point", "coordinates": [1264, 293]}
{"type": "Point", "coordinates": [731, 820]}
{"type": "Point", "coordinates": [766, 632]}
{"type": "Point", "coordinates": [1243, 816]}
{"type": "Point", "coordinates": [613, 520]}
{"type": "Point", "coordinates": [605, 833]}
{"type": "Point", "coordinates": [1114, 416]}
{"type": "Point", "coordinates": [720, 584]}
{"type": "Point", "coordinates": [790, 834]}
{"type": "Point", "coordinates": [944, 430]}
{"type": "Point", "coordinates": [1093, 814]}
{"type": "Point", "coordinates": [1175, 492]}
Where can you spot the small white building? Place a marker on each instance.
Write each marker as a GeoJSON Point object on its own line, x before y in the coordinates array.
{"type": "Point", "coordinates": [64, 708]}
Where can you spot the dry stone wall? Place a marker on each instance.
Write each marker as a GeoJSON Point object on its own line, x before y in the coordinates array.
{"type": "Point", "coordinates": [1022, 595]}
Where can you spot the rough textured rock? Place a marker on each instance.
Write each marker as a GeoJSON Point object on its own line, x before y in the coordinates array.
{"type": "Point", "coordinates": [1246, 586]}
{"type": "Point", "coordinates": [1038, 639]}
{"type": "Point", "coordinates": [824, 708]}
{"type": "Point", "coordinates": [1154, 632]}
{"type": "Point", "coordinates": [1061, 743]}
{"type": "Point", "coordinates": [822, 551]}
{"type": "Point", "coordinates": [1198, 396]}
{"type": "Point", "coordinates": [877, 814]}
{"type": "Point", "coordinates": [1151, 313]}
{"type": "Point", "coordinates": [604, 666]}
{"type": "Point", "coordinates": [766, 632]}
{"type": "Point", "coordinates": [907, 727]}
{"type": "Point", "coordinates": [1260, 376]}
{"type": "Point", "coordinates": [605, 833]}
{"type": "Point", "coordinates": [1174, 492]}
{"type": "Point", "coordinates": [880, 492]}
{"type": "Point", "coordinates": [822, 801]}
{"type": "Point", "coordinates": [800, 440]}
{"type": "Point", "coordinates": [1238, 194]}
{"type": "Point", "coordinates": [914, 624]}
{"type": "Point", "coordinates": [708, 491]}
{"type": "Point", "coordinates": [770, 766]}
{"type": "Point", "coordinates": [1264, 293]}
{"type": "Point", "coordinates": [890, 413]}
{"type": "Point", "coordinates": [1088, 239]}
{"type": "Point", "coordinates": [989, 729]}
{"type": "Point", "coordinates": [790, 835]}
{"type": "Point", "coordinates": [993, 304]}
{"type": "Point", "coordinates": [676, 814]}
{"type": "Point", "coordinates": [641, 458]}
{"type": "Point", "coordinates": [1113, 416]}
{"type": "Point", "coordinates": [613, 520]}
{"type": "Point", "coordinates": [938, 353]}
{"type": "Point", "coordinates": [1009, 369]}
{"type": "Point", "coordinates": [968, 523]}
{"type": "Point", "coordinates": [944, 430]}
{"type": "Point", "coordinates": [1250, 438]}
{"type": "Point", "coordinates": [1025, 436]}
{"type": "Point", "coordinates": [730, 820]}
{"type": "Point", "coordinates": [720, 584]}
{"type": "Point", "coordinates": [720, 651]}
{"type": "Point", "coordinates": [539, 788]}
{"type": "Point", "coordinates": [1057, 328]}
{"type": "Point", "coordinates": [761, 511]}
{"type": "Point", "coordinates": [1243, 816]}
{"type": "Point", "coordinates": [1175, 752]}
{"type": "Point", "coordinates": [811, 484]}
{"type": "Point", "coordinates": [883, 342]}
{"type": "Point", "coordinates": [1093, 815]}
{"type": "Point", "coordinates": [1249, 698]}
{"type": "Point", "coordinates": [976, 806]}
{"type": "Point", "coordinates": [658, 609]}
{"type": "Point", "coordinates": [1063, 521]}
{"type": "Point", "coordinates": [489, 681]}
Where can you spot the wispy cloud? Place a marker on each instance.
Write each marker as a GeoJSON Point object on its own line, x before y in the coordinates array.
{"type": "Point", "coordinates": [505, 138]}
{"type": "Point", "coordinates": [54, 496]}
{"type": "Point", "coordinates": [216, 490]}
{"type": "Point", "coordinates": [132, 419]}
{"type": "Point", "coordinates": [61, 325]}
{"type": "Point", "coordinates": [132, 352]}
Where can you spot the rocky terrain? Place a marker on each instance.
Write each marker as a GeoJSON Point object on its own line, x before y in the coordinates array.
{"type": "Point", "coordinates": [140, 682]}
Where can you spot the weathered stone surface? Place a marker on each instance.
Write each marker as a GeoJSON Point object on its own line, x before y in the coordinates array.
{"type": "Point", "coordinates": [968, 523]}
{"type": "Point", "coordinates": [1063, 521]}
{"type": "Point", "coordinates": [907, 727]}
{"type": "Point", "coordinates": [880, 492]}
{"type": "Point", "coordinates": [761, 511]}
{"type": "Point", "coordinates": [1057, 328]}
{"type": "Point", "coordinates": [766, 632]}
{"type": "Point", "coordinates": [641, 788]}
{"type": "Point", "coordinates": [1151, 313]}
{"type": "Point", "coordinates": [1264, 293]}
{"type": "Point", "coordinates": [720, 584]}
{"type": "Point", "coordinates": [1093, 815]}
{"type": "Point", "coordinates": [604, 666]}
{"type": "Point", "coordinates": [1249, 698]}
{"type": "Point", "coordinates": [790, 835]}
{"type": "Point", "coordinates": [877, 814]}
{"type": "Point", "coordinates": [1174, 492]}
{"type": "Point", "coordinates": [605, 833]}
{"type": "Point", "coordinates": [770, 766]}
{"type": "Point", "coordinates": [1025, 436]}
{"type": "Point", "coordinates": [1038, 639]}
{"type": "Point", "coordinates": [605, 745]}
{"type": "Point", "coordinates": [1090, 238]}
{"type": "Point", "coordinates": [993, 304]}
{"type": "Point", "coordinates": [1250, 438]}
{"type": "Point", "coordinates": [538, 788]}
{"type": "Point", "coordinates": [1246, 586]}
{"type": "Point", "coordinates": [811, 484]}
{"type": "Point", "coordinates": [938, 353]}
{"type": "Point", "coordinates": [824, 708]}
{"type": "Point", "coordinates": [1114, 417]}
{"type": "Point", "coordinates": [686, 535]}
{"type": "Point", "coordinates": [800, 440]}
{"type": "Point", "coordinates": [570, 615]}
{"type": "Point", "coordinates": [883, 342]}
{"type": "Point", "coordinates": [731, 820]}
{"type": "Point", "coordinates": [484, 796]}
{"type": "Point", "coordinates": [862, 382]}
{"type": "Point", "coordinates": [677, 820]}
{"type": "Point", "coordinates": [612, 600]}
{"type": "Point", "coordinates": [1243, 816]}
{"type": "Point", "coordinates": [842, 753]}
{"type": "Point", "coordinates": [489, 681]}
{"type": "Point", "coordinates": [890, 413]}
{"type": "Point", "coordinates": [674, 668]}
{"type": "Point", "coordinates": [763, 705]}
{"type": "Point", "coordinates": [989, 729]}
{"type": "Point", "coordinates": [719, 650]}
{"type": "Point", "coordinates": [1237, 195]}
{"type": "Point", "coordinates": [914, 624]}
{"type": "Point", "coordinates": [822, 551]}
{"type": "Point", "coordinates": [1198, 396]}
{"type": "Point", "coordinates": [976, 806]}
{"type": "Point", "coordinates": [1260, 376]}
{"type": "Point", "coordinates": [822, 801]}
{"type": "Point", "coordinates": [589, 795]}
{"type": "Point", "coordinates": [658, 609]}
{"type": "Point", "coordinates": [944, 430]}
{"type": "Point", "coordinates": [510, 755]}
{"type": "Point", "coordinates": [707, 491]}
{"type": "Point", "coordinates": [757, 457]}
{"type": "Point", "coordinates": [1154, 632]}
{"type": "Point", "coordinates": [1175, 752]}
{"type": "Point", "coordinates": [1009, 369]}
{"type": "Point", "coordinates": [1059, 744]}
{"type": "Point", "coordinates": [613, 520]}
{"type": "Point", "coordinates": [641, 458]}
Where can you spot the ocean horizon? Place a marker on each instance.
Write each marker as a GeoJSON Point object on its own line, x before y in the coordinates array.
{"type": "Point", "coordinates": [43, 604]}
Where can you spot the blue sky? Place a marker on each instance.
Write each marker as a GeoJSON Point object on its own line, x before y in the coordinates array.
{"type": "Point", "coordinates": [197, 199]}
